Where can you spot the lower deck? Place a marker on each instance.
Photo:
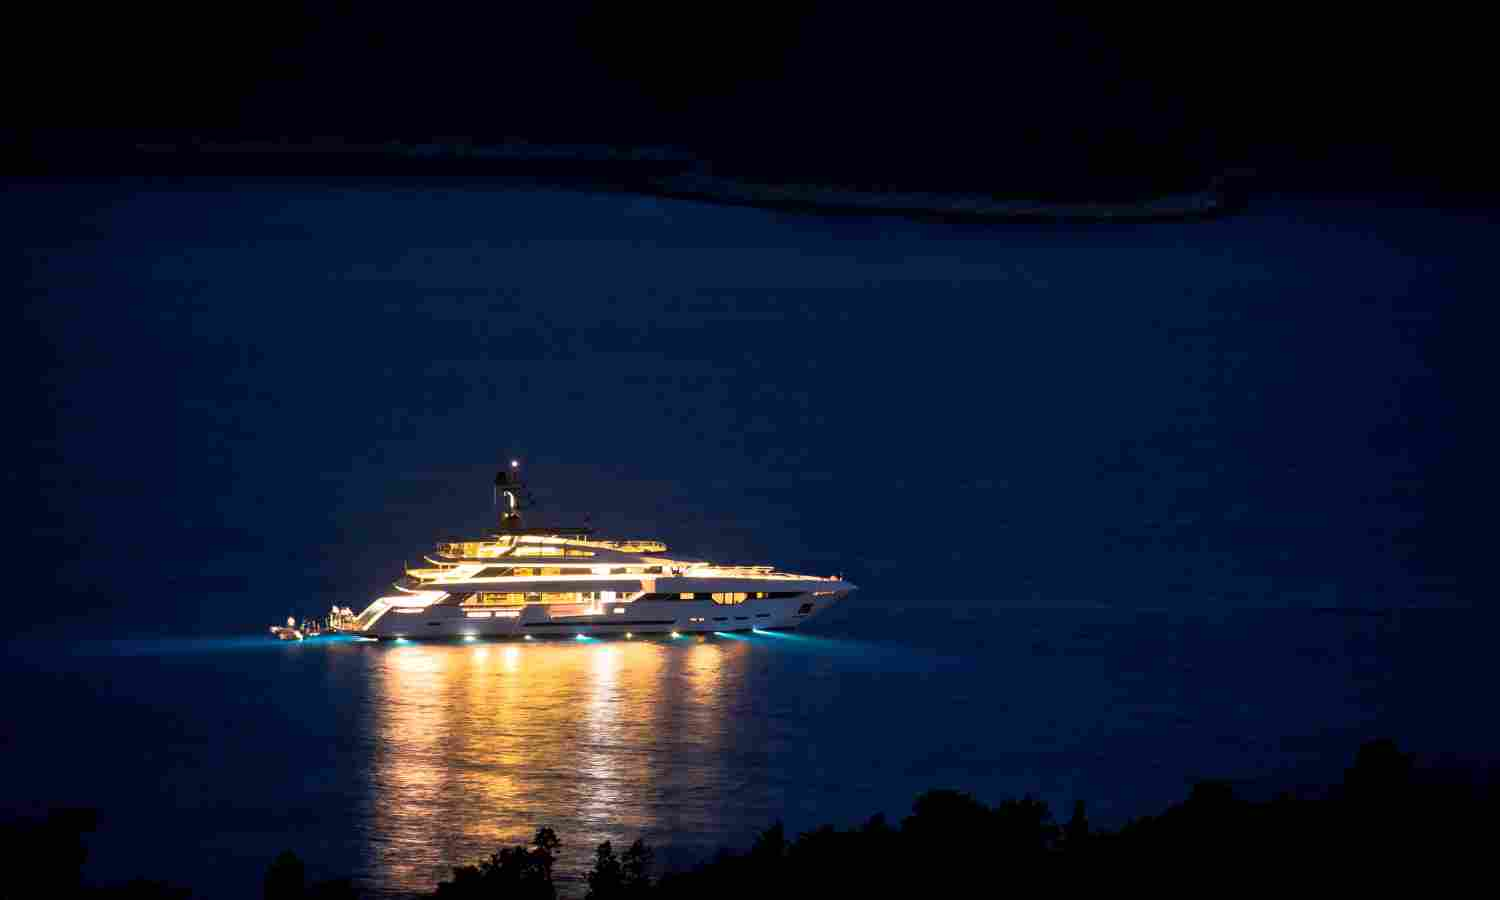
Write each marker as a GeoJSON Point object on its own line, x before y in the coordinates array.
{"type": "Point", "coordinates": [640, 617]}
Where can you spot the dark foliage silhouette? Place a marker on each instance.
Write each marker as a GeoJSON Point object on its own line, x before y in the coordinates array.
{"type": "Point", "coordinates": [286, 879]}
{"type": "Point", "coordinates": [1380, 823]}
{"type": "Point", "coordinates": [46, 858]}
{"type": "Point", "coordinates": [617, 877]}
{"type": "Point", "coordinates": [518, 872]}
{"type": "Point", "coordinates": [607, 878]}
{"type": "Point", "coordinates": [1075, 834]}
{"type": "Point", "coordinates": [1387, 822]}
{"type": "Point", "coordinates": [637, 864]}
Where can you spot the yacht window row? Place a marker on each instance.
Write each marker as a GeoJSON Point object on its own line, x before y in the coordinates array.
{"type": "Point", "coordinates": [526, 598]}
{"type": "Point", "coordinates": [724, 599]}
{"type": "Point", "coordinates": [473, 549]}
{"type": "Point", "coordinates": [535, 571]}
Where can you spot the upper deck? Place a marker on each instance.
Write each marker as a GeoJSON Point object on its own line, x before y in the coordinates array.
{"type": "Point", "coordinates": [534, 558]}
{"type": "Point", "coordinates": [544, 546]}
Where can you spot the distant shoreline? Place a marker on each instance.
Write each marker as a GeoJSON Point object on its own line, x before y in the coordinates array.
{"type": "Point", "coordinates": [1212, 202]}
{"type": "Point", "coordinates": [644, 170]}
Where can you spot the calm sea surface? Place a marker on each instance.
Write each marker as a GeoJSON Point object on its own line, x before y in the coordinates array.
{"type": "Point", "coordinates": [394, 762]}
{"type": "Point", "coordinates": [247, 400]}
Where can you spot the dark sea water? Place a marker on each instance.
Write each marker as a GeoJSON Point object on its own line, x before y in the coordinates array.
{"type": "Point", "coordinates": [1146, 456]}
{"type": "Point", "coordinates": [206, 757]}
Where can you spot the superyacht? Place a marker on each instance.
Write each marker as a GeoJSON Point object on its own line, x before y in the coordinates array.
{"type": "Point", "coordinates": [533, 583]}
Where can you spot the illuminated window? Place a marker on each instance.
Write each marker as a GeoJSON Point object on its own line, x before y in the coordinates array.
{"type": "Point", "coordinates": [493, 599]}
{"type": "Point", "coordinates": [685, 596]}
{"type": "Point", "coordinates": [517, 598]}
{"type": "Point", "coordinates": [542, 550]}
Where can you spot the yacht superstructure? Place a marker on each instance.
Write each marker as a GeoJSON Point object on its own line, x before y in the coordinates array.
{"type": "Point", "coordinates": [564, 582]}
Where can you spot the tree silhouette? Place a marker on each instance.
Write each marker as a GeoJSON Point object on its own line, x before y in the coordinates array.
{"type": "Point", "coordinates": [636, 866]}
{"type": "Point", "coordinates": [336, 889]}
{"type": "Point", "coordinates": [1023, 827]}
{"type": "Point", "coordinates": [1385, 819]}
{"type": "Point", "coordinates": [606, 880]}
{"type": "Point", "coordinates": [1381, 773]}
{"type": "Point", "coordinates": [45, 858]}
{"type": "Point", "coordinates": [618, 877]}
{"type": "Point", "coordinates": [1075, 834]}
{"type": "Point", "coordinates": [285, 878]}
{"type": "Point", "coordinates": [946, 843]}
{"type": "Point", "coordinates": [515, 873]}
{"type": "Point", "coordinates": [770, 846]}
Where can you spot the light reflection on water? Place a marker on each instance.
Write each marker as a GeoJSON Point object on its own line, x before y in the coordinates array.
{"type": "Point", "coordinates": [476, 745]}
{"type": "Point", "coordinates": [391, 763]}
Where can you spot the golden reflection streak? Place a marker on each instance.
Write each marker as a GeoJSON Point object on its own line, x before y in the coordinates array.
{"type": "Point", "coordinates": [478, 745]}
{"type": "Point", "coordinates": [409, 761]}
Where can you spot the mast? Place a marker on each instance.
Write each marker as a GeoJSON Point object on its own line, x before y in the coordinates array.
{"type": "Point", "coordinates": [511, 496]}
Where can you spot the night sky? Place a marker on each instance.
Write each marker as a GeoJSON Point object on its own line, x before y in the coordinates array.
{"type": "Point", "coordinates": [244, 398]}
{"type": "Point", "coordinates": [999, 97]}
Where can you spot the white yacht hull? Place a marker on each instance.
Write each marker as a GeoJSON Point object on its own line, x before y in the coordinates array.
{"type": "Point", "coordinates": [640, 617]}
